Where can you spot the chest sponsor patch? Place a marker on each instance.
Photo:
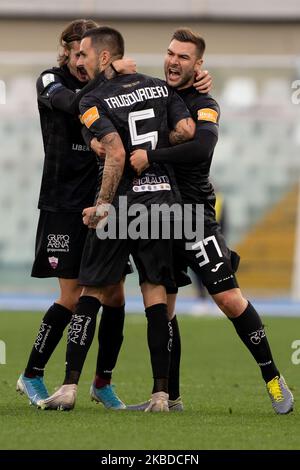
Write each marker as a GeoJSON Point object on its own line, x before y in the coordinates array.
{"type": "Point", "coordinates": [90, 116]}
{"type": "Point", "coordinates": [207, 114]}
{"type": "Point", "coordinates": [47, 79]}
{"type": "Point", "coordinates": [151, 183]}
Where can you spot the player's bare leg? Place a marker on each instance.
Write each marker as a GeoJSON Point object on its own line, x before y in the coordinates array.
{"type": "Point", "coordinates": [69, 293]}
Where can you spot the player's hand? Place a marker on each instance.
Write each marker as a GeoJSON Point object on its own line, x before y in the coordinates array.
{"type": "Point", "coordinates": [96, 217]}
{"type": "Point", "coordinates": [125, 65]}
{"type": "Point", "coordinates": [102, 210]}
{"type": "Point", "coordinates": [139, 160]}
{"type": "Point", "coordinates": [203, 81]}
{"type": "Point", "coordinates": [97, 147]}
{"type": "Point", "coordinates": [89, 217]}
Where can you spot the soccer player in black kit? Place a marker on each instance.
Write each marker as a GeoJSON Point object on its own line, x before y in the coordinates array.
{"type": "Point", "coordinates": [69, 182]}
{"type": "Point", "coordinates": [210, 257]}
{"type": "Point", "coordinates": [127, 112]}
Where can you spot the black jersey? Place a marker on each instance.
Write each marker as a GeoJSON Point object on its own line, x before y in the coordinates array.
{"type": "Point", "coordinates": [70, 168]}
{"type": "Point", "coordinates": [193, 179]}
{"type": "Point", "coordinates": [141, 109]}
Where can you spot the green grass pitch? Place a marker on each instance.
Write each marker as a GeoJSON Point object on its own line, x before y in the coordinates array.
{"type": "Point", "coordinates": [226, 404]}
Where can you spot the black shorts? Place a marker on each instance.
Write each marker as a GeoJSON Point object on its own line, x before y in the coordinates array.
{"type": "Point", "coordinates": [59, 244]}
{"type": "Point", "coordinates": [104, 261]}
{"type": "Point", "coordinates": [210, 259]}
{"type": "Point", "coordinates": [181, 277]}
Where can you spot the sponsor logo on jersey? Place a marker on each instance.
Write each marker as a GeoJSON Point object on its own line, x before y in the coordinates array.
{"type": "Point", "coordinates": [151, 187]}
{"type": "Point", "coordinates": [90, 116]}
{"type": "Point", "coordinates": [48, 78]}
{"type": "Point", "coordinates": [58, 242]}
{"type": "Point", "coordinates": [141, 94]}
{"type": "Point", "coordinates": [151, 183]}
{"type": "Point", "coordinates": [80, 148]}
{"type": "Point", "coordinates": [53, 262]}
{"type": "Point", "coordinates": [207, 114]}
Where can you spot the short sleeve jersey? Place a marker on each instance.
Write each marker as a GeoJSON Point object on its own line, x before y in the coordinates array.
{"type": "Point", "coordinates": [142, 110]}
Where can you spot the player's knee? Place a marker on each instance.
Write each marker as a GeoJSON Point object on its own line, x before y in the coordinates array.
{"type": "Point", "coordinates": [113, 296]}
{"type": "Point", "coordinates": [171, 301]}
{"type": "Point", "coordinates": [231, 303]}
{"type": "Point", "coordinates": [70, 301]}
{"type": "Point", "coordinates": [153, 294]}
{"type": "Point", "coordinates": [115, 300]}
{"type": "Point", "coordinates": [89, 291]}
{"type": "Point", "coordinates": [69, 293]}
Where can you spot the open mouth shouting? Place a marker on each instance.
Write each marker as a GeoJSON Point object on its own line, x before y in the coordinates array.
{"type": "Point", "coordinates": [173, 74]}
{"type": "Point", "coordinates": [82, 75]}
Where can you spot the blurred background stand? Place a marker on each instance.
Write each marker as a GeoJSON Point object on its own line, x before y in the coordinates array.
{"type": "Point", "coordinates": [253, 54]}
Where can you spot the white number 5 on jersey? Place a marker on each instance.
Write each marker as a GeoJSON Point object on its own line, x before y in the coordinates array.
{"type": "Point", "coordinates": [137, 139]}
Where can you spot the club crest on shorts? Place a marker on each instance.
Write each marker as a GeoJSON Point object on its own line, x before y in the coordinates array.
{"type": "Point", "coordinates": [53, 262]}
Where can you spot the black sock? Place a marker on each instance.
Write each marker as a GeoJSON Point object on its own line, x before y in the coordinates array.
{"type": "Point", "coordinates": [50, 333]}
{"type": "Point", "coordinates": [110, 338]}
{"type": "Point", "coordinates": [80, 336]}
{"type": "Point", "coordinates": [159, 335]}
{"type": "Point", "coordinates": [250, 329]}
{"type": "Point", "coordinates": [175, 361]}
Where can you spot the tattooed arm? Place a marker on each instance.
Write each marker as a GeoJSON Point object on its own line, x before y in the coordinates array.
{"type": "Point", "coordinates": [184, 131]}
{"type": "Point", "coordinates": [112, 173]}
{"type": "Point", "coordinates": [104, 130]}
{"type": "Point", "coordinates": [99, 124]}
{"type": "Point", "coordinates": [113, 167]}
